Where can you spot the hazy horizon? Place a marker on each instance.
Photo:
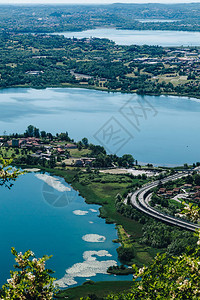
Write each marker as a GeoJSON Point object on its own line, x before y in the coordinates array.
{"type": "Point", "coordinates": [94, 2]}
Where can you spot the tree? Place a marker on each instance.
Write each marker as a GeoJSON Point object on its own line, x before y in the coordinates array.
{"type": "Point", "coordinates": [85, 142]}
{"type": "Point", "coordinates": [52, 162]}
{"type": "Point", "coordinates": [168, 277]}
{"type": "Point", "coordinates": [50, 136]}
{"type": "Point", "coordinates": [36, 132]}
{"type": "Point", "coordinates": [43, 134]}
{"type": "Point", "coordinates": [8, 173]}
{"type": "Point", "coordinates": [30, 280]}
{"type": "Point", "coordinates": [30, 131]}
{"type": "Point", "coordinates": [64, 136]}
{"type": "Point", "coordinates": [79, 146]}
{"type": "Point", "coordinates": [126, 160]}
{"type": "Point", "coordinates": [197, 179]}
{"type": "Point", "coordinates": [125, 254]}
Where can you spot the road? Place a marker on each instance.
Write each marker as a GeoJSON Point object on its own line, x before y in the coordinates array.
{"type": "Point", "coordinates": [141, 198]}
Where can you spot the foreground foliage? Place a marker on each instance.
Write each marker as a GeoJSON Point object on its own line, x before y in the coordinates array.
{"type": "Point", "coordinates": [7, 173]}
{"type": "Point", "coordinates": [30, 280]}
{"type": "Point", "coordinates": [168, 277]}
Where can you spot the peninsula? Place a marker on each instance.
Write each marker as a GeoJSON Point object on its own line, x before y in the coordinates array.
{"type": "Point", "coordinates": [40, 61]}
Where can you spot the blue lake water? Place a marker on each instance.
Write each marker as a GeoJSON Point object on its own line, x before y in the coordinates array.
{"type": "Point", "coordinates": [156, 20]}
{"type": "Point", "coordinates": [48, 217]}
{"type": "Point", "coordinates": [31, 220]}
{"type": "Point", "coordinates": [140, 37]}
{"type": "Point", "coordinates": [156, 129]}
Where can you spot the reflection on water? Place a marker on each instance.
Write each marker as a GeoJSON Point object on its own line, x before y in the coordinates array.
{"type": "Point", "coordinates": [29, 221]}
{"type": "Point", "coordinates": [141, 37]}
{"type": "Point", "coordinates": [168, 134]}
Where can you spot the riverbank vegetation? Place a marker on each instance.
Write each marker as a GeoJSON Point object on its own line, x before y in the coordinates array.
{"type": "Point", "coordinates": [140, 236]}
{"type": "Point", "coordinates": [153, 280]}
{"type": "Point", "coordinates": [95, 290]}
{"type": "Point", "coordinates": [41, 61]}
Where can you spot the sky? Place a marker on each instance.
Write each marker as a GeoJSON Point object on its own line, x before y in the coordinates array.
{"type": "Point", "coordinates": [93, 1]}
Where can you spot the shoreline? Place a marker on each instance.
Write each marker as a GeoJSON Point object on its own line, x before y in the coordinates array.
{"type": "Point", "coordinates": [79, 86]}
{"type": "Point", "coordinates": [118, 227]}
{"type": "Point", "coordinates": [109, 27]}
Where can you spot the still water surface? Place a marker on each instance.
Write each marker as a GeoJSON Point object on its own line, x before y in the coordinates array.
{"type": "Point", "coordinates": [140, 37]}
{"type": "Point", "coordinates": [162, 130]}
{"type": "Point", "coordinates": [49, 219]}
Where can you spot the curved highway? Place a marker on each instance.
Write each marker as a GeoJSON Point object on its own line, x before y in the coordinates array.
{"type": "Point", "coordinates": [140, 199]}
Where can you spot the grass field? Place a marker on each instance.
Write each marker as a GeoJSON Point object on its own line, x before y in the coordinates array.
{"type": "Point", "coordinates": [77, 154]}
{"type": "Point", "coordinates": [100, 289]}
{"type": "Point", "coordinates": [175, 80]}
{"type": "Point", "coordinates": [9, 152]}
{"type": "Point", "coordinates": [103, 193]}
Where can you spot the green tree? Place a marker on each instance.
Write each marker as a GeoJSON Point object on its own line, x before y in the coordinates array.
{"type": "Point", "coordinates": [30, 131]}
{"type": "Point", "coordinates": [36, 132]}
{"type": "Point", "coordinates": [30, 280]}
{"type": "Point", "coordinates": [79, 146]}
{"type": "Point", "coordinates": [43, 134]}
{"type": "Point", "coordinates": [168, 277]}
{"type": "Point", "coordinates": [85, 142]}
{"type": "Point", "coordinates": [7, 173]}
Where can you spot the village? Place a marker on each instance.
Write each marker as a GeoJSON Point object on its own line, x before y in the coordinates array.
{"type": "Point", "coordinates": [190, 192]}
{"type": "Point", "coordinates": [41, 149]}
{"type": "Point", "coordinates": [44, 149]}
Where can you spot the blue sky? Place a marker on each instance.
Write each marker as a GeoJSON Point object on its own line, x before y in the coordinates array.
{"type": "Point", "coordinates": [95, 1]}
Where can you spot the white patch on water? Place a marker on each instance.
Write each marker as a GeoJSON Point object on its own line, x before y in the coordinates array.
{"type": "Point", "coordinates": [93, 210]}
{"type": "Point", "coordinates": [91, 222]}
{"type": "Point", "coordinates": [53, 182]}
{"type": "Point", "coordinates": [94, 238]}
{"type": "Point", "coordinates": [88, 268]}
{"type": "Point", "coordinates": [80, 212]}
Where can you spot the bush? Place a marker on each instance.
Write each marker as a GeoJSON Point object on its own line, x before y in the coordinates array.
{"type": "Point", "coordinates": [125, 254]}
{"type": "Point", "coordinates": [88, 282]}
{"type": "Point", "coordinates": [30, 280]}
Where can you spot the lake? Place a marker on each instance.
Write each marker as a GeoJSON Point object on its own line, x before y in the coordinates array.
{"type": "Point", "coordinates": [163, 130]}
{"type": "Point", "coordinates": [140, 37]}
{"type": "Point", "coordinates": [41, 213]}
{"type": "Point", "coordinates": [156, 20]}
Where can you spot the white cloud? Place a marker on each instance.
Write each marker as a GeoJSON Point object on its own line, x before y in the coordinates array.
{"type": "Point", "coordinates": [53, 182]}
{"type": "Point", "coordinates": [93, 210]}
{"type": "Point", "coordinates": [94, 238]}
{"type": "Point", "coordinates": [88, 268]}
{"type": "Point", "coordinates": [80, 212]}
